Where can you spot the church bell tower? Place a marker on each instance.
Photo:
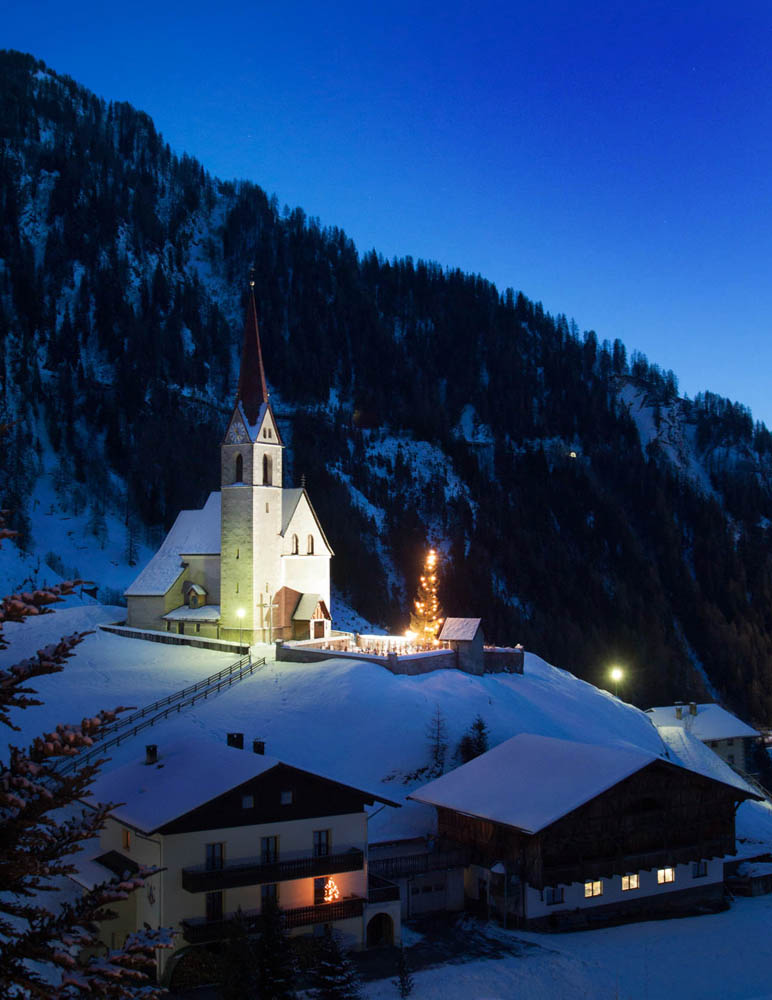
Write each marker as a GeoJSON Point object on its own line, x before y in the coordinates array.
{"type": "Point", "coordinates": [251, 477]}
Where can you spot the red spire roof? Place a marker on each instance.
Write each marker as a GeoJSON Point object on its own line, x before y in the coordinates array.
{"type": "Point", "coordinates": [252, 391]}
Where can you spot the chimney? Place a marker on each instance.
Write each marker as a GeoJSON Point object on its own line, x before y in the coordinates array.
{"type": "Point", "coordinates": [151, 753]}
{"type": "Point", "coordinates": [692, 708]}
{"type": "Point", "coordinates": [236, 740]}
{"type": "Point", "coordinates": [258, 746]}
{"type": "Point", "coordinates": [679, 710]}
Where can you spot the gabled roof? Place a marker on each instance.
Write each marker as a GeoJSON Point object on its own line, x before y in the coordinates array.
{"type": "Point", "coordinates": [712, 722]}
{"type": "Point", "coordinates": [306, 607]}
{"type": "Point", "coordinates": [460, 628]}
{"type": "Point", "coordinates": [530, 781]}
{"type": "Point", "coordinates": [290, 499]}
{"type": "Point", "coordinates": [252, 391]}
{"type": "Point", "coordinates": [187, 775]}
{"type": "Point", "coordinates": [195, 532]}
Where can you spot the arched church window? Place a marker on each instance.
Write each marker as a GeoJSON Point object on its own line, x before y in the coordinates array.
{"type": "Point", "coordinates": [239, 469]}
{"type": "Point", "coordinates": [267, 470]}
{"type": "Point", "coordinates": [295, 548]}
{"type": "Point", "coordinates": [310, 548]}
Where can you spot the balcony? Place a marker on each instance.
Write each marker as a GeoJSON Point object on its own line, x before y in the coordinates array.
{"type": "Point", "coordinates": [380, 890]}
{"type": "Point", "coordinates": [199, 930]}
{"type": "Point", "coordinates": [251, 871]}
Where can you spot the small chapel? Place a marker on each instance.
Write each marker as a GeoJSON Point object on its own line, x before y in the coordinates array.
{"type": "Point", "coordinates": [253, 565]}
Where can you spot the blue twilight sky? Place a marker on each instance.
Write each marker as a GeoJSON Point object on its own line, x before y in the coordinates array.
{"type": "Point", "coordinates": [612, 160]}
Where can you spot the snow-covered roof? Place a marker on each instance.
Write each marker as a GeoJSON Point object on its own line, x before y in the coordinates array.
{"type": "Point", "coordinates": [689, 751]}
{"type": "Point", "coordinates": [187, 775]}
{"type": "Point", "coordinates": [195, 532]}
{"type": "Point", "coordinates": [197, 589]}
{"type": "Point", "coordinates": [460, 628]}
{"type": "Point", "coordinates": [712, 722]}
{"type": "Point", "coordinates": [206, 613]}
{"type": "Point", "coordinates": [306, 607]}
{"type": "Point", "coordinates": [530, 781]}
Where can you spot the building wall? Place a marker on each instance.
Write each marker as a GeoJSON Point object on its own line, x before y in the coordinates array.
{"type": "Point", "coordinates": [310, 574]}
{"type": "Point", "coordinates": [204, 570]}
{"type": "Point", "coordinates": [146, 612]}
{"type": "Point", "coordinates": [574, 898]}
{"type": "Point", "coordinates": [733, 751]}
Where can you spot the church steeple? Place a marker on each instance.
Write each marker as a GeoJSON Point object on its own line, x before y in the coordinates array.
{"type": "Point", "coordinates": [252, 391]}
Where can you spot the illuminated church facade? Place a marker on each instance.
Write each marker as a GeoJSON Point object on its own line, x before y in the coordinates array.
{"type": "Point", "coordinates": [253, 564]}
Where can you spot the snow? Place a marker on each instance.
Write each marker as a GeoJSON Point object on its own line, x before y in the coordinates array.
{"type": "Point", "coordinates": [688, 750]}
{"type": "Point", "coordinates": [461, 629]}
{"type": "Point", "coordinates": [530, 781]}
{"type": "Point", "coordinates": [194, 532]}
{"type": "Point", "coordinates": [206, 613]}
{"type": "Point", "coordinates": [712, 722]}
{"type": "Point", "coordinates": [153, 795]}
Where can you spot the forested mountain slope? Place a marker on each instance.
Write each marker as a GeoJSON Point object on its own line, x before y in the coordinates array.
{"type": "Point", "coordinates": [583, 508]}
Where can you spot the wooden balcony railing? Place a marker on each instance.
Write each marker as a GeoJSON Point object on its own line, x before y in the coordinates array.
{"type": "Point", "coordinates": [251, 871]}
{"type": "Point", "coordinates": [198, 930]}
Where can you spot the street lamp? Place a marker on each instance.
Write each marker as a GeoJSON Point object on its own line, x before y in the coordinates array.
{"type": "Point", "coordinates": [240, 616]}
{"type": "Point", "coordinates": [616, 676]}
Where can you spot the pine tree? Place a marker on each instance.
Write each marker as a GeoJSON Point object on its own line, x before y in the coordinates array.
{"type": "Point", "coordinates": [333, 976]}
{"type": "Point", "coordinates": [479, 733]}
{"type": "Point", "coordinates": [275, 960]}
{"type": "Point", "coordinates": [39, 944]}
{"type": "Point", "coordinates": [404, 981]}
{"type": "Point", "coordinates": [426, 617]}
{"type": "Point", "coordinates": [239, 963]}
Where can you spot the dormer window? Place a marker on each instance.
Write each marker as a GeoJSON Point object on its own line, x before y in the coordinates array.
{"type": "Point", "coordinates": [239, 477]}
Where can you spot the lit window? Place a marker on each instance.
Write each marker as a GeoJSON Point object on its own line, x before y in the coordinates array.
{"type": "Point", "coordinates": [665, 875]}
{"type": "Point", "coordinates": [593, 888]}
{"type": "Point", "coordinates": [247, 802]}
{"type": "Point", "coordinates": [699, 869]}
{"type": "Point", "coordinates": [553, 894]}
{"type": "Point", "coordinates": [126, 839]}
{"type": "Point", "coordinates": [630, 882]}
{"type": "Point", "coordinates": [287, 797]}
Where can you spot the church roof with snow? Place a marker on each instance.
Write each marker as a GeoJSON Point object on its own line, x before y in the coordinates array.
{"type": "Point", "coordinates": [460, 629]}
{"type": "Point", "coordinates": [711, 721]}
{"type": "Point", "coordinates": [195, 532]}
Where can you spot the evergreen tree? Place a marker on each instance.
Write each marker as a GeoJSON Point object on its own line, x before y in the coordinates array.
{"type": "Point", "coordinates": [239, 963]}
{"type": "Point", "coordinates": [40, 945]}
{"type": "Point", "coordinates": [333, 976]}
{"type": "Point", "coordinates": [275, 960]}
{"type": "Point", "coordinates": [479, 734]}
{"type": "Point", "coordinates": [404, 981]}
{"type": "Point", "coordinates": [426, 617]}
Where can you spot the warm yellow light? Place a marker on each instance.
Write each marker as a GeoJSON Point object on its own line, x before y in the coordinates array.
{"type": "Point", "coordinates": [410, 634]}
{"type": "Point", "coordinates": [331, 891]}
{"type": "Point", "coordinates": [617, 674]}
{"type": "Point", "coordinates": [240, 613]}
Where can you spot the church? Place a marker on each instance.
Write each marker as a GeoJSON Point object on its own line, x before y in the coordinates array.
{"type": "Point", "coordinates": [253, 565]}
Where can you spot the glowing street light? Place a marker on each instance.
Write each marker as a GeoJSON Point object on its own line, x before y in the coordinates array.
{"type": "Point", "coordinates": [240, 616]}
{"type": "Point", "coordinates": [616, 676]}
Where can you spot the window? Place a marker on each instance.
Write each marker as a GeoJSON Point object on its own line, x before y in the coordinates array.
{"type": "Point", "coordinates": [593, 888]}
{"type": "Point", "coordinates": [319, 887]}
{"type": "Point", "coordinates": [310, 548]}
{"type": "Point", "coordinates": [126, 840]}
{"type": "Point", "coordinates": [730, 758]}
{"type": "Point", "coordinates": [665, 875]}
{"type": "Point", "coordinates": [295, 548]}
{"type": "Point", "coordinates": [237, 586]}
{"type": "Point", "coordinates": [321, 843]}
{"type": "Point", "coordinates": [699, 869]}
{"type": "Point", "coordinates": [214, 857]}
{"type": "Point", "coordinates": [287, 797]}
{"type": "Point", "coordinates": [247, 802]}
{"type": "Point", "coordinates": [554, 894]}
{"type": "Point", "coordinates": [214, 906]}
{"type": "Point", "coordinates": [269, 850]}
{"type": "Point", "coordinates": [269, 892]}
{"type": "Point", "coordinates": [239, 477]}
{"type": "Point", "coordinates": [630, 882]}
{"type": "Point", "coordinates": [198, 628]}
{"type": "Point", "coordinates": [267, 470]}
{"type": "Point", "coordinates": [238, 553]}
{"type": "Point", "coordinates": [268, 508]}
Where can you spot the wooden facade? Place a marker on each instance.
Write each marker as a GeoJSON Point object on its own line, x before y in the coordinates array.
{"type": "Point", "coordinates": [661, 815]}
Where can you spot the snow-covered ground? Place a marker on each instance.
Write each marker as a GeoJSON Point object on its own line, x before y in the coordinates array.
{"type": "Point", "coordinates": [359, 723]}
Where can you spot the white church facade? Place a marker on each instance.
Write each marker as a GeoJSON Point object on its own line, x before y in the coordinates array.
{"type": "Point", "coordinates": [253, 564]}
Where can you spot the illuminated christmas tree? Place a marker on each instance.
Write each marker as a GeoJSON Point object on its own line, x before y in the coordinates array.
{"type": "Point", "coordinates": [426, 618]}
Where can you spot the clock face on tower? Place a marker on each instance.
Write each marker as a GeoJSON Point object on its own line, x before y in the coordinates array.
{"type": "Point", "coordinates": [237, 432]}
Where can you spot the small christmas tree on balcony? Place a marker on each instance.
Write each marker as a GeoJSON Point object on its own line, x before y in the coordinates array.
{"type": "Point", "coordinates": [426, 617]}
